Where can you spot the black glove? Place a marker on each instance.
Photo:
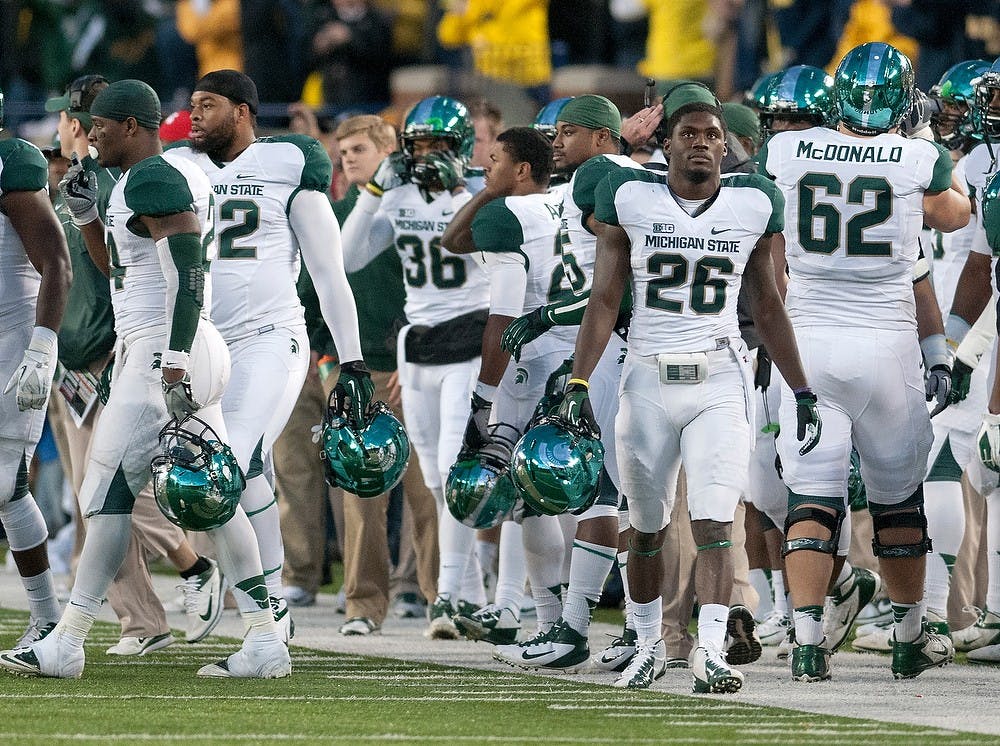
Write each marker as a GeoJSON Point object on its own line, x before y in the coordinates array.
{"type": "Point", "coordinates": [938, 387]}
{"type": "Point", "coordinates": [477, 432]}
{"type": "Point", "coordinates": [554, 390]}
{"type": "Point", "coordinates": [353, 393]}
{"type": "Point", "coordinates": [523, 330]}
{"type": "Point", "coordinates": [961, 381]}
{"type": "Point", "coordinates": [810, 424]}
{"type": "Point", "coordinates": [577, 412]}
{"type": "Point", "coordinates": [762, 376]}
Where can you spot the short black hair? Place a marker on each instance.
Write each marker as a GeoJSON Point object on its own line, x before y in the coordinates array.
{"type": "Point", "coordinates": [690, 108]}
{"type": "Point", "coordinates": [528, 145]}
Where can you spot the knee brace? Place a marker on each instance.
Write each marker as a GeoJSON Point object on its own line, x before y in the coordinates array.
{"type": "Point", "coordinates": [907, 514]}
{"type": "Point", "coordinates": [830, 521]}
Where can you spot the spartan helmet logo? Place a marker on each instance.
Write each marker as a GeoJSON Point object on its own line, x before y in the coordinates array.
{"type": "Point", "coordinates": [867, 97]}
{"type": "Point", "coordinates": [521, 375]}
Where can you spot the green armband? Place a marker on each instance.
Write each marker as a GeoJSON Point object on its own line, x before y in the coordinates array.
{"type": "Point", "coordinates": [185, 250]}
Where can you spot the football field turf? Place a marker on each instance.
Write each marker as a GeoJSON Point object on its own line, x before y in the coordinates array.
{"type": "Point", "coordinates": [348, 698]}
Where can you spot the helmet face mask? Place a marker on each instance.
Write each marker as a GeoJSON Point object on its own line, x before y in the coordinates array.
{"type": "Point", "coordinates": [197, 482]}
{"type": "Point", "coordinates": [367, 461]}
{"type": "Point", "coordinates": [873, 88]}
{"type": "Point", "coordinates": [802, 93]}
{"type": "Point", "coordinates": [545, 120]}
{"type": "Point", "coordinates": [437, 117]}
{"type": "Point", "coordinates": [987, 101]}
{"type": "Point", "coordinates": [954, 124]}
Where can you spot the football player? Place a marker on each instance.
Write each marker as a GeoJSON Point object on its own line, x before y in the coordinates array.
{"type": "Point", "coordinates": [856, 198]}
{"type": "Point", "coordinates": [408, 203]}
{"type": "Point", "coordinates": [159, 238]}
{"type": "Point", "coordinates": [35, 277]}
{"type": "Point", "coordinates": [271, 203]}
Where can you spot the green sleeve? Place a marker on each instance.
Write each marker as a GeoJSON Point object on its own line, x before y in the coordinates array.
{"type": "Point", "coordinates": [496, 229]}
{"type": "Point", "coordinates": [156, 188]}
{"type": "Point", "coordinates": [24, 167]}
{"type": "Point", "coordinates": [605, 208]}
{"type": "Point", "coordinates": [941, 178]}
{"type": "Point", "coordinates": [185, 250]}
{"type": "Point", "coordinates": [762, 162]}
{"type": "Point", "coordinates": [585, 182]}
{"type": "Point", "coordinates": [776, 221]}
{"type": "Point", "coordinates": [317, 170]}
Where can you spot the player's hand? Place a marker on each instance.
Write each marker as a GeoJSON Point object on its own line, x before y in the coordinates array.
{"type": "Point", "coordinates": [353, 393]}
{"type": "Point", "coordinates": [178, 397]}
{"type": "Point", "coordinates": [961, 381]}
{"type": "Point", "coordinates": [477, 432]}
{"type": "Point", "coordinates": [810, 426]}
{"type": "Point", "coordinates": [555, 387]}
{"type": "Point", "coordinates": [989, 441]}
{"type": "Point", "coordinates": [449, 167]}
{"type": "Point", "coordinates": [577, 412]}
{"type": "Point", "coordinates": [523, 330]}
{"type": "Point", "coordinates": [391, 173]}
{"type": "Point", "coordinates": [938, 387]}
{"type": "Point", "coordinates": [32, 378]}
{"type": "Point", "coordinates": [79, 190]}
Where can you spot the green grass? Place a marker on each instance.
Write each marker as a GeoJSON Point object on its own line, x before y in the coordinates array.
{"type": "Point", "coordinates": [336, 698]}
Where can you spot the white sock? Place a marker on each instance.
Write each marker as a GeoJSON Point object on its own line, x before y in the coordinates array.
{"type": "Point", "coordinates": [907, 621]}
{"type": "Point", "coordinates": [567, 524]}
{"type": "Point", "coordinates": [780, 594]}
{"type": "Point", "coordinates": [104, 551]}
{"type": "Point", "coordinates": [543, 560]}
{"type": "Point", "coordinates": [262, 510]}
{"type": "Point", "coordinates": [759, 582]}
{"type": "Point", "coordinates": [712, 620]}
{"type": "Point", "coordinates": [239, 560]}
{"type": "Point", "coordinates": [472, 589]}
{"type": "Point", "coordinates": [456, 542]}
{"type": "Point", "coordinates": [993, 551]}
{"type": "Point", "coordinates": [808, 625]}
{"type": "Point", "coordinates": [511, 572]}
{"type": "Point", "coordinates": [946, 528]}
{"type": "Point", "coordinates": [41, 592]}
{"type": "Point", "coordinates": [588, 571]}
{"type": "Point", "coordinates": [648, 621]}
{"type": "Point", "coordinates": [622, 559]}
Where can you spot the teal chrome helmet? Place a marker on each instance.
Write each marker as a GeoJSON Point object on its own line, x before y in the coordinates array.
{"type": "Point", "coordinates": [196, 480]}
{"type": "Point", "coordinates": [439, 117]}
{"type": "Point", "coordinates": [756, 97]}
{"type": "Point", "coordinates": [479, 491]}
{"type": "Point", "coordinates": [991, 213]}
{"type": "Point", "coordinates": [546, 118]}
{"type": "Point", "coordinates": [954, 124]}
{"type": "Point", "coordinates": [857, 495]}
{"type": "Point", "coordinates": [555, 469]}
{"type": "Point", "coordinates": [802, 93]}
{"type": "Point", "coordinates": [987, 118]}
{"type": "Point", "coordinates": [369, 461]}
{"type": "Point", "coordinates": [873, 88]}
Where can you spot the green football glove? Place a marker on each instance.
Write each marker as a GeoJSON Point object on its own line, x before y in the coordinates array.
{"type": "Point", "coordinates": [576, 411]}
{"type": "Point", "coordinates": [554, 386]}
{"type": "Point", "coordinates": [353, 393]}
{"type": "Point", "coordinates": [450, 168]}
{"type": "Point", "coordinates": [810, 426]}
{"type": "Point", "coordinates": [523, 330]}
{"type": "Point", "coordinates": [477, 432]}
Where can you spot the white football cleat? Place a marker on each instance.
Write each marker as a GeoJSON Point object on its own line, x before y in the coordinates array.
{"type": "Point", "coordinates": [203, 602]}
{"type": "Point", "coordinates": [52, 657]}
{"type": "Point", "coordinates": [263, 656]}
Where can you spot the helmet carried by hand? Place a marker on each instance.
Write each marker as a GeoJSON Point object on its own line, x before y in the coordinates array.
{"type": "Point", "coordinates": [366, 461]}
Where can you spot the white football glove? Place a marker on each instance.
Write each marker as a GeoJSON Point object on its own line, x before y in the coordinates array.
{"type": "Point", "coordinates": [79, 191]}
{"type": "Point", "coordinates": [391, 173]}
{"type": "Point", "coordinates": [33, 377]}
{"type": "Point", "coordinates": [988, 440]}
{"type": "Point", "coordinates": [180, 401]}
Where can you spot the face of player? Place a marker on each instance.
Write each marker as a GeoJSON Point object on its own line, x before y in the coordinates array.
{"type": "Point", "coordinates": [573, 146]}
{"type": "Point", "coordinates": [107, 136]}
{"type": "Point", "coordinates": [359, 158]}
{"type": "Point", "coordinates": [501, 171]}
{"type": "Point", "coordinates": [486, 137]}
{"type": "Point", "coordinates": [426, 145]}
{"type": "Point", "coordinates": [213, 123]}
{"type": "Point", "coordinates": [696, 147]}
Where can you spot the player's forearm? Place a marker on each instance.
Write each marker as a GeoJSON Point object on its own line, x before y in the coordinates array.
{"type": "Point", "coordinates": [610, 271]}
{"type": "Point", "coordinates": [929, 321]}
{"type": "Point", "coordinates": [494, 360]}
{"type": "Point", "coordinates": [93, 239]}
{"type": "Point", "coordinates": [973, 292]}
{"type": "Point", "coordinates": [775, 330]}
{"type": "Point", "coordinates": [360, 242]}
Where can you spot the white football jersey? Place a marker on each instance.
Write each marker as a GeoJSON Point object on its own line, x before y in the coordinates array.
{"type": "Point", "coordinates": [439, 285]}
{"type": "Point", "coordinates": [22, 168]}
{"type": "Point", "coordinates": [159, 185]}
{"type": "Point", "coordinates": [257, 268]}
{"type": "Point", "coordinates": [853, 214]}
{"type": "Point", "coordinates": [687, 270]}
{"type": "Point", "coordinates": [979, 167]}
{"type": "Point", "coordinates": [951, 250]}
{"type": "Point", "coordinates": [528, 226]}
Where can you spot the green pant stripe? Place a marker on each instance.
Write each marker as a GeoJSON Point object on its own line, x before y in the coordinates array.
{"type": "Point", "coordinates": [611, 557]}
{"type": "Point", "coordinates": [945, 468]}
{"type": "Point", "coordinates": [261, 510]}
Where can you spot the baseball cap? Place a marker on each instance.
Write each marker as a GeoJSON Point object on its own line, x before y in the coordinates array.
{"type": "Point", "coordinates": [78, 97]}
{"type": "Point", "coordinates": [128, 98]}
{"type": "Point", "coordinates": [176, 126]}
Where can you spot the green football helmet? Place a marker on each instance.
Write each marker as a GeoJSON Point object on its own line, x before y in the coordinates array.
{"type": "Point", "coordinates": [369, 461]}
{"type": "Point", "coordinates": [873, 88]}
{"type": "Point", "coordinates": [987, 118]}
{"type": "Point", "coordinates": [956, 89]}
{"type": "Point", "coordinates": [991, 213]}
{"type": "Point", "coordinates": [802, 93]}
{"type": "Point", "coordinates": [196, 480]}
{"type": "Point", "coordinates": [479, 491]}
{"type": "Point", "coordinates": [857, 495]}
{"type": "Point", "coordinates": [557, 470]}
{"type": "Point", "coordinates": [756, 97]}
{"type": "Point", "coordinates": [546, 118]}
{"type": "Point", "coordinates": [437, 117]}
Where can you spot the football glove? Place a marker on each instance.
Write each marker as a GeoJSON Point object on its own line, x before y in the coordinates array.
{"type": "Point", "coordinates": [450, 168]}
{"type": "Point", "coordinates": [104, 382]}
{"type": "Point", "coordinates": [180, 401]}
{"type": "Point", "coordinates": [554, 390]}
{"type": "Point", "coordinates": [938, 387]}
{"type": "Point", "coordinates": [79, 191]}
{"type": "Point", "coordinates": [523, 330]}
{"type": "Point", "coordinates": [961, 381]}
{"type": "Point", "coordinates": [33, 377]}
{"type": "Point", "coordinates": [391, 173]}
{"type": "Point", "coordinates": [576, 411]}
{"type": "Point", "coordinates": [989, 441]}
{"type": "Point", "coordinates": [476, 429]}
{"type": "Point", "coordinates": [809, 423]}
{"type": "Point", "coordinates": [353, 393]}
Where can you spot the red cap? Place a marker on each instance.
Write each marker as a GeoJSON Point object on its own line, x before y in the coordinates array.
{"type": "Point", "coordinates": [176, 127]}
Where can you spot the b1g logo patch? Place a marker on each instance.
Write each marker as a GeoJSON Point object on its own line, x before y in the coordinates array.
{"type": "Point", "coordinates": [406, 212]}
{"type": "Point", "coordinates": [663, 227]}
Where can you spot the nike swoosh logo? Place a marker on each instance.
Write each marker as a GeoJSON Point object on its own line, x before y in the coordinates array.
{"type": "Point", "coordinates": [531, 656]}
{"type": "Point", "coordinates": [245, 176]}
{"type": "Point", "coordinates": [208, 614]}
{"type": "Point", "coordinates": [447, 212]}
{"type": "Point", "coordinates": [716, 232]}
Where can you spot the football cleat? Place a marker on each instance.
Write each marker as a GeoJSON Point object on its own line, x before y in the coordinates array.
{"type": "Point", "coordinates": [985, 632]}
{"type": "Point", "coordinates": [930, 650]}
{"type": "Point", "coordinates": [37, 630]}
{"type": "Point", "coordinates": [262, 656]}
{"type": "Point", "coordinates": [359, 626]}
{"type": "Point", "coordinates": [492, 624]}
{"type": "Point", "coordinates": [876, 612]}
{"type": "Point", "coordinates": [742, 645]}
{"type": "Point", "coordinates": [203, 602]}
{"type": "Point", "coordinates": [712, 674]}
{"type": "Point", "coordinates": [877, 638]}
{"type": "Point", "coordinates": [647, 665]}
{"type": "Point", "coordinates": [562, 648]}
{"type": "Point", "coordinates": [283, 618]}
{"type": "Point", "coordinates": [617, 655]}
{"type": "Point", "coordinates": [988, 654]}
{"type": "Point", "coordinates": [54, 657]}
{"type": "Point", "coordinates": [773, 628]}
{"type": "Point", "coordinates": [141, 645]}
{"type": "Point", "coordinates": [810, 663]}
{"type": "Point", "coordinates": [786, 645]}
{"type": "Point", "coordinates": [844, 604]}
{"type": "Point", "coordinates": [441, 626]}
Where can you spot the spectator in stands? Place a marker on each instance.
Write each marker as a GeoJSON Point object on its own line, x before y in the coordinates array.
{"type": "Point", "coordinates": [352, 48]}
{"type": "Point", "coordinates": [213, 26]}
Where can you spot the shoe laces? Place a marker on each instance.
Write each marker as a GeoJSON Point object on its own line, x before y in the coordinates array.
{"type": "Point", "coordinates": [195, 597]}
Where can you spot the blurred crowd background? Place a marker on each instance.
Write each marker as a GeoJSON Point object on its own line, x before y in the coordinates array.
{"type": "Point", "coordinates": [343, 57]}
